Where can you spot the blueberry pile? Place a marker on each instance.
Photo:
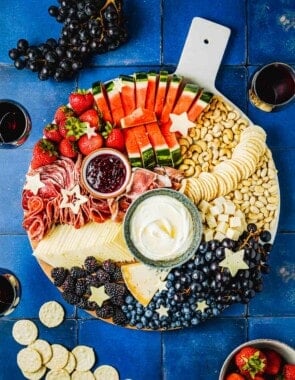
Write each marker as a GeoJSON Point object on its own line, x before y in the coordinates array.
{"type": "Point", "coordinates": [197, 290]}
{"type": "Point", "coordinates": [89, 27]}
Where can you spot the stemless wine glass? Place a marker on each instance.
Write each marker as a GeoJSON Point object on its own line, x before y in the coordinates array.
{"type": "Point", "coordinates": [272, 86]}
{"type": "Point", "coordinates": [15, 124]}
{"type": "Point", "coordinates": [10, 291]}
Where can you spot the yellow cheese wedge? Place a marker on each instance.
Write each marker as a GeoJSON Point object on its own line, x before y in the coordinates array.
{"type": "Point", "coordinates": [143, 281]}
{"type": "Point", "coordinates": [66, 246]}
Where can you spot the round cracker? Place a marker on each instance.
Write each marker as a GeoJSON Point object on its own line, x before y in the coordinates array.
{"type": "Point", "coordinates": [83, 375]}
{"type": "Point", "coordinates": [104, 372]}
{"type": "Point", "coordinates": [51, 314]}
{"type": "Point", "coordinates": [85, 357]}
{"type": "Point", "coordinates": [57, 374]}
{"type": "Point", "coordinates": [29, 360]}
{"type": "Point", "coordinates": [24, 332]}
{"type": "Point", "coordinates": [71, 364]}
{"type": "Point", "coordinates": [60, 356]}
{"type": "Point", "coordinates": [37, 375]}
{"type": "Point", "coordinates": [44, 349]}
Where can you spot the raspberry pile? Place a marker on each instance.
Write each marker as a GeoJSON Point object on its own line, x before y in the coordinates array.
{"type": "Point", "coordinates": [89, 27]}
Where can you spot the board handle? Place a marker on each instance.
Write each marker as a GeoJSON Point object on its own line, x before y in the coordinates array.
{"type": "Point", "coordinates": [202, 53]}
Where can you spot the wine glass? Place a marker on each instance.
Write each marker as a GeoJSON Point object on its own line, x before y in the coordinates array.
{"type": "Point", "coordinates": [10, 292]}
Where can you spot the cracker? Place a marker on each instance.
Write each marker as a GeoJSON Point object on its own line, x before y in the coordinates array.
{"type": "Point", "coordinates": [71, 364]}
{"type": "Point", "coordinates": [60, 356]}
{"type": "Point", "coordinates": [24, 332]}
{"type": "Point", "coordinates": [83, 375]}
{"type": "Point", "coordinates": [44, 349]}
{"type": "Point", "coordinates": [104, 372]}
{"type": "Point", "coordinates": [29, 360]}
{"type": "Point", "coordinates": [37, 375]}
{"type": "Point", "coordinates": [57, 374]}
{"type": "Point", "coordinates": [85, 357]}
{"type": "Point", "coordinates": [51, 314]}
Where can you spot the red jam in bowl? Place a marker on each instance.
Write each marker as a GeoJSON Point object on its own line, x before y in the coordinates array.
{"type": "Point", "coordinates": [105, 173]}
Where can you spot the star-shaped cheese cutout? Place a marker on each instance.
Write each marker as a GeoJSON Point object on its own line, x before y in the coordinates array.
{"type": "Point", "coordinates": [162, 286]}
{"type": "Point", "coordinates": [118, 84]}
{"type": "Point", "coordinates": [201, 306]}
{"type": "Point", "coordinates": [180, 123]}
{"type": "Point", "coordinates": [72, 199]}
{"type": "Point", "coordinates": [33, 183]}
{"type": "Point", "coordinates": [90, 131]}
{"type": "Point", "coordinates": [162, 311]}
{"type": "Point", "coordinates": [234, 261]}
{"type": "Point", "coordinates": [98, 295]}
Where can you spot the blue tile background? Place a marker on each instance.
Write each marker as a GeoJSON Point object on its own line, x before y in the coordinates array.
{"type": "Point", "coordinates": [157, 28]}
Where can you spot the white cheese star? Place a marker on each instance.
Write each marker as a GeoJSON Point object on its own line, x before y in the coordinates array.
{"type": "Point", "coordinates": [33, 183]}
{"type": "Point", "coordinates": [118, 84]}
{"type": "Point", "coordinates": [72, 199]}
{"type": "Point", "coordinates": [162, 286]}
{"type": "Point", "coordinates": [162, 311]}
{"type": "Point", "coordinates": [201, 306]}
{"type": "Point", "coordinates": [180, 123]}
{"type": "Point", "coordinates": [98, 295]}
{"type": "Point", "coordinates": [234, 261]}
{"type": "Point", "coordinates": [90, 131]}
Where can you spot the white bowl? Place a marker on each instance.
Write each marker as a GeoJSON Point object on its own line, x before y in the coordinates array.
{"type": "Point", "coordinates": [285, 351]}
{"type": "Point", "coordinates": [107, 187]}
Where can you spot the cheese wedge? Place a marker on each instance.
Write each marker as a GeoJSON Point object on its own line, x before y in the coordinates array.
{"type": "Point", "coordinates": [143, 281]}
{"type": "Point", "coordinates": [66, 246]}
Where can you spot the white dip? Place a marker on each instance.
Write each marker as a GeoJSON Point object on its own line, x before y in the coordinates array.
{"type": "Point", "coordinates": [161, 228]}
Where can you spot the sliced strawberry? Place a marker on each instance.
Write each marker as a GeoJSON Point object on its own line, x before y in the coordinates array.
{"type": "Point", "coordinates": [89, 144]}
{"type": "Point", "coordinates": [68, 148]}
{"type": "Point", "coordinates": [51, 132]}
{"type": "Point", "coordinates": [62, 113]}
{"type": "Point", "coordinates": [234, 376]}
{"type": "Point", "coordinates": [91, 116]}
{"type": "Point", "coordinates": [250, 361]}
{"type": "Point", "coordinates": [114, 138]}
{"type": "Point", "coordinates": [81, 101]}
{"type": "Point", "coordinates": [274, 362]}
{"type": "Point", "coordinates": [72, 128]}
{"type": "Point", "coordinates": [44, 153]}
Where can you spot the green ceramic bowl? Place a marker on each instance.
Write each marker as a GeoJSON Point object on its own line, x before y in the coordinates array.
{"type": "Point", "coordinates": [162, 228]}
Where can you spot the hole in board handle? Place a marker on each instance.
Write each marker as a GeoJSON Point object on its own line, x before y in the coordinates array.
{"type": "Point", "coordinates": [206, 41]}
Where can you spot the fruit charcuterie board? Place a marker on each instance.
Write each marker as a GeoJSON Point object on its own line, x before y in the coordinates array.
{"type": "Point", "coordinates": [176, 132]}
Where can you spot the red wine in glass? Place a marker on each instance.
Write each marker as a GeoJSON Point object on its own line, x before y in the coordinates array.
{"type": "Point", "coordinates": [273, 85]}
{"type": "Point", "coordinates": [9, 292]}
{"type": "Point", "coordinates": [15, 124]}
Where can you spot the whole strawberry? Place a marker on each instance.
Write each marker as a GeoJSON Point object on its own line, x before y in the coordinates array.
{"type": "Point", "coordinates": [62, 113]}
{"type": "Point", "coordinates": [250, 361]}
{"type": "Point", "coordinates": [274, 362]}
{"type": "Point", "coordinates": [72, 128]}
{"type": "Point", "coordinates": [51, 132]}
{"type": "Point", "coordinates": [44, 153]}
{"type": "Point", "coordinates": [89, 144]}
{"type": "Point", "coordinates": [91, 116]}
{"type": "Point", "coordinates": [81, 101]}
{"type": "Point", "coordinates": [68, 148]}
{"type": "Point", "coordinates": [114, 138]}
{"type": "Point", "coordinates": [234, 376]}
{"type": "Point", "coordinates": [289, 372]}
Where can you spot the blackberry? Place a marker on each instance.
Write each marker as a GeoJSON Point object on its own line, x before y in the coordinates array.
{"type": "Point", "coordinates": [71, 298]}
{"type": "Point", "coordinates": [105, 311]}
{"type": "Point", "coordinates": [92, 280]}
{"type": "Point", "coordinates": [81, 287]}
{"type": "Point", "coordinates": [114, 290]}
{"type": "Point", "coordinates": [59, 275]}
{"type": "Point", "coordinates": [119, 317]}
{"type": "Point", "coordinates": [91, 264]}
{"type": "Point", "coordinates": [102, 276]}
{"type": "Point", "coordinates": [69, 284]}
{"type": "Point", "coordinates": [83, 303]}
{"type": "Point", "coordinates": [118, 300]}
{"type": "Point", "coordinates": [117, 275]}
{"type": "Point", "coordinates": [77, 272]}
{"type": "Point", "coordinates": [109, 266]}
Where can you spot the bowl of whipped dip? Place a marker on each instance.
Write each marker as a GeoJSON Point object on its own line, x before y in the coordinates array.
{"type": "Point", "coordinates": [162, 228]}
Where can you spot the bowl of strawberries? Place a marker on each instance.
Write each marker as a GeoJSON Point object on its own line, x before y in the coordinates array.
{"type": "Point", "coordinates": [260, 359]}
